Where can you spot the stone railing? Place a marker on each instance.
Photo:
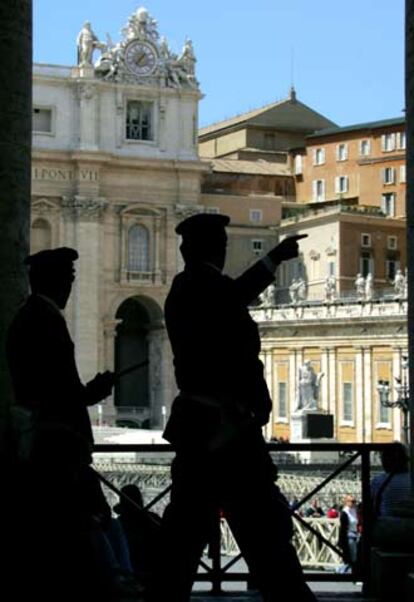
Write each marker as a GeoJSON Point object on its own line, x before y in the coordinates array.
{"type": "Point", "coordinates": [330, 311]}
{"type": "Point", "coordinates": [312, 554]}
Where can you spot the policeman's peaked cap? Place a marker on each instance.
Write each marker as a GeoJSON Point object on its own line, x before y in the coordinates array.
{"type": "Point", "coordinates": [54, 261]}
{"type": "Point", "coordinates": [202, 226]}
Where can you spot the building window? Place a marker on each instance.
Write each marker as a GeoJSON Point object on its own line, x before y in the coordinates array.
{"type": "Point", "coordinates": [138, 249]}
{"type": "Point", "coordinates": [403, 174]}
{"type": "Point", "coordinates": [364, 148]}
{"type": "Point", "coordinates": [383, 411]}
{"type": "Point", "coordinates": [365, 240]}
{"type": "Point", "coordinates": [282, 399]}
{"type": "Point", "coordinates": [42, 120]}
{"type": "Point", "coordinates": [388, 142]}
{"type": "Point", "coordinates": [256, 215]}
{"type": "Point", "coordinates": [388, 175]}
{"type": "Point", "coordinates": [318, 156]}
{"type": "Point", "coordinates": [366, 264]}
{"type": "Point", "coordinates": [392, 243]}
{"type": "Point", "coordinates": [401, 140]}
{"type": "Point", "coordinates": [40, 236]}
{"type": "Point", "coordinates": [318, 190]}
{"type": "Point", "coordinates": [331, 268]}
{"type": "Point", "coordinates": [391, 267]}
{"type": "Point", "coordinates": [388, 204]}
{"type": "Point", "coordinates": [139, 119]}
{"type": "Point", "coordinates": [347, 402]}
{"type": "Point", "coordinates": [257, 247]}
{"type": "Point", "coordinates": [298, 165]}
{"type": "Point", "coordinates": [341, 152]}
{"type": "Point", "coordinates": [212, 210]}
{"type": "Point", "coordinates": [341, 184]}
{"type": "Point", "coordinates": [269, 141]}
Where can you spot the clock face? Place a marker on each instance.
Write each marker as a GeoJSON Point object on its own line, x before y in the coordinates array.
{"type": "Point", "coordinates": [140, 58]}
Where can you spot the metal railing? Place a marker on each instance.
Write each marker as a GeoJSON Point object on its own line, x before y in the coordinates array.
{"type": "Point", "coordinates": [315, 539]}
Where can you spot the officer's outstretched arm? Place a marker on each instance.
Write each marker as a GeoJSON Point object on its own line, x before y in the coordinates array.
{"type": "Point", "coordinates": [256, 278]}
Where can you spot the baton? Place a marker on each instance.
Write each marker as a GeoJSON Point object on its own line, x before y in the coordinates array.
{"type": "Point", "coordinates": [129, 369]}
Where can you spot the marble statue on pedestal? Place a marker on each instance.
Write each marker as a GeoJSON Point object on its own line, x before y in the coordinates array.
{"type": "Point", "coordinates": [360, 286]}
{"type": "Point", "coordinates": [308, 387]}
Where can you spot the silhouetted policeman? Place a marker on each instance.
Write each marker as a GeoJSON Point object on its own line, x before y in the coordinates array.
{"type": "Point", "coordinates": [215, 424]}
{"type": "Point", "coordinates": [41, 355]}
{"type": "Point", "coordinates": [54, 432]}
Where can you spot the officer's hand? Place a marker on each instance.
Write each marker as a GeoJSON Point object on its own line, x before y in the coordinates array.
{"type": "Point", "coordinates": [287, 249]}
{"type": "Point", "coordinates": [100, 387]}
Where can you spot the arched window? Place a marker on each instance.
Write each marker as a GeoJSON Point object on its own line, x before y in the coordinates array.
{"type": "Point", "coordinates": [138, 249]}
{"type": "Point", "coordinates": [40, 236]}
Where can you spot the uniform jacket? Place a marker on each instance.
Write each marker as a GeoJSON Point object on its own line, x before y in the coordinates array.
{"type": "Point", "coordinates": [43, 369]}
{"type": "Point", "coordinates": [216, 345]}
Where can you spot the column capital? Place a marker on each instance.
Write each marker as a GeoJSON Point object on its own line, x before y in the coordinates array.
{"type": "Point", "coordinates": [84, 208]}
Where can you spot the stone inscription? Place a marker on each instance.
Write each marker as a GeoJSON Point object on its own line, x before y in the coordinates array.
{"type": "Point", "coordinates": [56, 174]}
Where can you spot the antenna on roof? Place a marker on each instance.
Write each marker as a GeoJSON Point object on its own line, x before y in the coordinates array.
{"type": "Point", "coordinates": [292, 91]}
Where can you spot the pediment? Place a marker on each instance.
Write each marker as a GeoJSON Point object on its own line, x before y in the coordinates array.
{"type": "Point", "coordinates": [140, 211]}
{"type": "Point", "coordinates": [43, 206]}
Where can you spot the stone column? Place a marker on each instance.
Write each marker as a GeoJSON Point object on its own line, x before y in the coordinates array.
{"type": "Point", "coordinates": [87, 116]}
{"type": "Point", "coordinates": [359, 388]}
{"type": "Point", "coordinates": [324, 394]}
{"type": "Point", "coordinates": [156, 249]}
{"type": "Point", "coordinates": [15, 141]}
{"type": "Point", "coordinates": [396, 418]}
{"type": "Point", "coordinates": [158, 375]}
{"type": "Point", "coordinates": [268, 373]}
{"type": "Point", "coordinates": [87, 327]}
{"type": "Point", "coordinates": [294, 363]}
{"type": "Point", "coordinates": [369, 399]}
{"type": "Point", "coordinates": [333, 367]}
{"type": "Point", "coordinates": [110, 326]}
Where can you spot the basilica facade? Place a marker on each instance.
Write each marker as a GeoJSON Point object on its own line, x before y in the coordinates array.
{"type": "Point", "coordinates": [115, 168]}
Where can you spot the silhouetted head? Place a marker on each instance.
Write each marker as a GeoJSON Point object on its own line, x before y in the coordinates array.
{"type": "Point", "coordinates": [395, 458]}
{"type": "Point", "coordinates": [51, 273]}
{"type": "Point", "coordinates": [204, 238]}
{"type": "Point", "coordinates": [133, 493]}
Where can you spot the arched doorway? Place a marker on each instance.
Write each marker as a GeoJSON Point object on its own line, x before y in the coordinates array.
{"type": "Point", "coordinates": [133, 344]}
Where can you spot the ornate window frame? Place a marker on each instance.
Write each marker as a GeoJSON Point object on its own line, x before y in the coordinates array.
{"type": "Point", "coordinates": [149, 218]}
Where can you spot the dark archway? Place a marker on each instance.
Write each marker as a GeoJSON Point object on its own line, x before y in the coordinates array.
{"type": "Point", "coordinates": [133, 402]}
{"type": "Point", "coordinates": [132, 398]}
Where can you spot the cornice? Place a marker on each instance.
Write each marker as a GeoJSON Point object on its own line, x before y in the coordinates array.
{"type": "Point", "coordinates": [116, 161]}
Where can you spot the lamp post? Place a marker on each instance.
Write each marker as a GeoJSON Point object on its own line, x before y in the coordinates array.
{"type": "Point", "coordinates": [403, 396]}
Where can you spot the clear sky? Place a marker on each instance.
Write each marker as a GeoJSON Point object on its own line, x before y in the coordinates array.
{"type": "Point", "coordinates": [346, 58]}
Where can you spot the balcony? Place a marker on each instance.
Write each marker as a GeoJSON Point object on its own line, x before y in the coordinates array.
{"type": "Point", "coordinates": [152, 278]}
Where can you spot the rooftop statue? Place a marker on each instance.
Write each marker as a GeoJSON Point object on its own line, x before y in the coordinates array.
{"type": "Point", "coordinates": [369, 287]}
{"type": "Point", "coordinates": [360, 286]}
{"type": "Point", "coordinates": [400, 285]}
{"type": "Point", "coordinates": [330, 288]}
{"type": "Point", "coordinates": [86, 42]}
{"type": "Point", "coordinates": [267, 297]}
{"type": "Point", "coordinates": [141, 57]}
